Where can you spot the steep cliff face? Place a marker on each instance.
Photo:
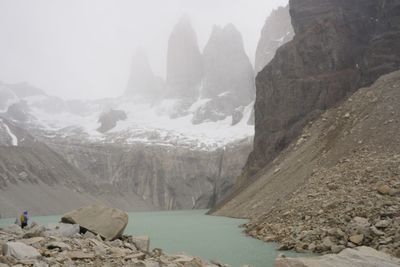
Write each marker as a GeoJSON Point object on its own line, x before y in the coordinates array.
{"type": "Point", "coordinates": [142, 81]}
{"type": "Point", "coordinates": [276, 32]}
{"type": "Point", "coordinates": [339, 46]}
{"type": "Point", "coordinates": [166, 177]}
{"type": "Point", "coordinates": [184, 62]}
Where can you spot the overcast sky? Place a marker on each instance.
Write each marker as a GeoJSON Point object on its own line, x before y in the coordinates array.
{"type": "Point", "coordinates": [83, 48]}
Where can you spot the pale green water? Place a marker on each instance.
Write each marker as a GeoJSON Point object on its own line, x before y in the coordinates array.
{"type": "Point", "coordinates": [212, 238]}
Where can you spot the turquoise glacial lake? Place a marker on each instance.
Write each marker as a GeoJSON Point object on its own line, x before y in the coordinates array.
{"type": "Point", "coordinates": [194, 233]}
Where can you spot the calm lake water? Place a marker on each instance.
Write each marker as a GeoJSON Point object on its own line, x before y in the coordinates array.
{"type": "Point", "coordinates": [193, 232]}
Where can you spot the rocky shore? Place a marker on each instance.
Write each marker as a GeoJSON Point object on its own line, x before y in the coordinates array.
{"type": "Point", "coordinates": [99, 243]}
{"type": "Point", "coordinates": [352, 196]}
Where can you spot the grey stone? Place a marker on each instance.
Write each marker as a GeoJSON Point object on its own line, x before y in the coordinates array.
{"type": "Point", "coordinates": [383, 224]}
{"type": "Point", "coordinates": [20, 251]}
{"type": "Point", "coordinates": [141, 242]}
{"type": "Point", "coordinates": [62, 229]}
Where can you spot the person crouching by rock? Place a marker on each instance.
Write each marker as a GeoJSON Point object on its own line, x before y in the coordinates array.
{"type": "Point", "coordinates": [24, 219]}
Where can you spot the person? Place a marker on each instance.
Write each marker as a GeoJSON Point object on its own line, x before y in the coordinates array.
{"type": "Point", "coordinates": [24, 219]}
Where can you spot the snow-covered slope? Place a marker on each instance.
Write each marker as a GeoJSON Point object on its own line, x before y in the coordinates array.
{"type": "Point", "coordinates": [143, 123]}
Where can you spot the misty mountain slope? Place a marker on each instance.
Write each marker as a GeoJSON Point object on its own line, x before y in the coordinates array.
{"type": "Point", "coordinates": [144, 122]}
{"type": "Point", "coordinates": [34, 177]}
{"type": "Point", "coordinates": [134, 151]}
{"type": "Point", "coordinates": [276, 32]}
{"type": "Point", "coordinates": [173, 145]}
{"type": "Point", "coordinates": [344, 165]}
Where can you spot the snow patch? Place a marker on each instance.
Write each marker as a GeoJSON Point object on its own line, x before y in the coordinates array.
{"type": "Point", "coordinates": [14, 139]}
{"type": "Point", "coordinates": [224, 94]}
{"type": "Point", "coordinates": [199, 104]}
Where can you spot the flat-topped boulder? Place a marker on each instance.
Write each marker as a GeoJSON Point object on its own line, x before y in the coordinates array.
{"type": "Point", "coordinates": [109, 223]}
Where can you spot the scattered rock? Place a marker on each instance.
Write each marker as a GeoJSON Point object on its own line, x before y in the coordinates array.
{"type": "Point", "coordinates": [383, 224]}
{"type": "Point", "coordinates": [33, 240]}
{"type": "Point", "coordinates": [13, 229]}
{"type": "Point", "coordinates": [359, 257]}
{"type": "Point", "coordinates": [142, 243]}
{"type": "Point", "coordinates": [384, 190]}
{"type": "Point", "coordinates": [34, 231]}
{"type": "Point", "coordinates": [78, 251]}
{"type": "Point", "coordinates": [357, 239]}
{"type": "Point", "coordinates": [337, 249]}
{"type": "Point", "coordinates": [376, 231]}
{"type": "Point", "coordinates": [59, 245]}
{"type": "Point", "coordinates": [79, 255]}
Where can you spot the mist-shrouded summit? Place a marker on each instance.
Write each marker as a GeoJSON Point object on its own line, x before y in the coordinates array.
{"type": "Point", "coordinates": [142, 80]}
{"type": "Point", "coordinates": [184, 61]}
{"type": "Point", "coordinates": [170, 141]}
{"type": "Point", "coordinates": [76, 50]}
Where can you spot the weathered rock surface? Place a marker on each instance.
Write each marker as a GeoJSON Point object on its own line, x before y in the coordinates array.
{"type": "Point", "coordinates": [276, 32]}
{"type": "Point", "coordinates": [339, 46]}
{"type": "Point", "coordinates": [109, 223]}
{"type": "Point", "coordinates": [184, 62]}
{"type": "Point", "coordinates": [141, 242]}
{"type": "Point", "coordinates": [166, 177]}
{"type": "Point", "coordinates": [359, 257]}
{"type": "Point", "coordinates": [62, 229]}
{"type": "Point", "coordinates": [20, 251]}
{"type": "Point", "coordinates": [322, 193]}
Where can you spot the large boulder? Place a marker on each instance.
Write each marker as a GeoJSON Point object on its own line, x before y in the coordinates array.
{"type": "Point", "coordinates": [359, 257]}
{"type": "Point", "coordinates": [20, 251]}
{"type": "Point", "coordinates": [109, 223]}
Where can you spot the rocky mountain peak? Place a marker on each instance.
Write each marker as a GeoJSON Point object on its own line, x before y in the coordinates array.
{"type": "Point", "coordinates": [227, 68]}
{"type": "Point", "coordinates": [184, 61]}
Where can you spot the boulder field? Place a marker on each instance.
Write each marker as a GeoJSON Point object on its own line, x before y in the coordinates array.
{"type": "Point", "coordinates": [99, 241]}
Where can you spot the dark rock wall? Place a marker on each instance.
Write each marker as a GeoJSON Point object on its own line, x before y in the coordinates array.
{"type": "Point", "coordinates": [339, 46]}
